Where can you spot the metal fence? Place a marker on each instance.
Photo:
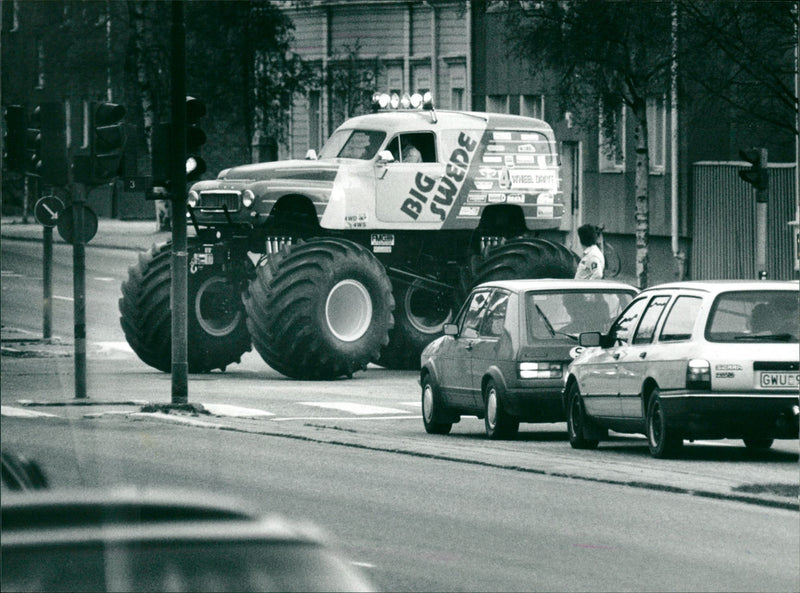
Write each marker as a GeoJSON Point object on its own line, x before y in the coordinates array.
{"type": "Point", "coordinates": [724, 222]}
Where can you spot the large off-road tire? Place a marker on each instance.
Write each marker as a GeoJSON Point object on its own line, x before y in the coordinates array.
{"type": "Point", "coordinates": [320, 309]}
{"type": "Point", "coordinates": [526, 257]}
{"type": "Point", "coordinates": [419, 318]}
{"type": "Point", "coordinates": [217, 332]}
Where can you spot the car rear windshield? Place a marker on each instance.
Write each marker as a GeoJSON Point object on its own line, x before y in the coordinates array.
{"type": "Point", "coordinates": [353, 144]}
{"type": "Point", "coordinates": [554, 314]}
{"type": "Point", "coordinates": [754, 316]}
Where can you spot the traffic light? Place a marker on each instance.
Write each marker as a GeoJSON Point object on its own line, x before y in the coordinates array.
{"type": "Point", "coordinates": [33, 142]}
{"type": "Point", "coordinates": [14, 138]}
{"type": "Point", "coordinates": [54, 167]}
{"type": "Point", "coordinates": [106, 142]}
{"type": "Point", "coordinates": [195, 138]}
{"type": "Point", "coordinates": [160, 143]}
{"type": "Point", "coordinates": [756, 175]}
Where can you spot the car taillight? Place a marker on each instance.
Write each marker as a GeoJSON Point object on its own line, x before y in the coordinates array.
{"type": "Point", "coordinates": [540, 370]}
{"type": "Point", "coordinates": [698, 374]}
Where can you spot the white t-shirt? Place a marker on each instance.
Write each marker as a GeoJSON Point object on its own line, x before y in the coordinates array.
{"type": "Point", "coordinates": [592, 264]}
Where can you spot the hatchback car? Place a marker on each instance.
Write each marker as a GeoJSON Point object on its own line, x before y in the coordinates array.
{"type": "Point", "coordinates": [503, 359]}
{"type": "Point", "coordinates": [691, 360]}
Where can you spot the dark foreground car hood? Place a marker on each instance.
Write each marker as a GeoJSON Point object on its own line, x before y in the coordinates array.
{"type": "Point", "coordinates": [293, 169]}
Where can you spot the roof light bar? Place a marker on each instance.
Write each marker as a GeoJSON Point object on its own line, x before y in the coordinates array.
{"type": "Point", "coordinates": [406, 101]}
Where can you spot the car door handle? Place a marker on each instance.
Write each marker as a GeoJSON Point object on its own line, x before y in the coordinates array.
{"type": "Point", "coordinates": [642, 354]}
{"type": "Point", "coordinates": [468, 346]}
{"type": "Point", "coordinates": [616, 355]}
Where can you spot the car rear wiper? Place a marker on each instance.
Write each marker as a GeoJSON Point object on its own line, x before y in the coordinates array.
{"type": "Point", "coordinates": [549, 326]}
{"type": "Point", "coordinates": [547, 323]}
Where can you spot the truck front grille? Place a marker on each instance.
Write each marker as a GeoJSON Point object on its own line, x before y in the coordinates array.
{"type": "Point", "coordinates": [219, 200]}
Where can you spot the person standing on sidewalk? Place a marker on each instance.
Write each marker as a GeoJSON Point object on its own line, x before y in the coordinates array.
{"type": "Point", "coordinates": [593, 263]}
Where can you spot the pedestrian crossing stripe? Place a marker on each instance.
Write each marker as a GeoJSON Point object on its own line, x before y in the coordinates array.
{"type": "Point", "coordinates": [355, 408]}
{"type": "Point", "coordinates": [11, 411]}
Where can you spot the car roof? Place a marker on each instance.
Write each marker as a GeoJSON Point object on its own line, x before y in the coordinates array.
{"type": "Point", "coordinates": [401, 120]}
{"type": "Point", "coordinates": [526, 285]}
{"type": "Point", "coordinates": [717, 286]}
{"type": "Point", "coordinates": [62, 507]}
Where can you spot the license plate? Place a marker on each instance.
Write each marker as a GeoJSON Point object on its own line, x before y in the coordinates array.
{"type": "Point", "coordinates": [778, 380]}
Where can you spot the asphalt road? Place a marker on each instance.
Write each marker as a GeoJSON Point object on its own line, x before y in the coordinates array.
{"type": "Point", "coordinates": [421, 512]}
{"type": "Point", "coordinates": [425, 524]}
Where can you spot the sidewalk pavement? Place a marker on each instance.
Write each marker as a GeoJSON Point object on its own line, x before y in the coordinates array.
{"type": "Point", "coordinates": [137, 235]}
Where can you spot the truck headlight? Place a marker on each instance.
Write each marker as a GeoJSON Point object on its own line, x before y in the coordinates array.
{"type": "Point", "coordinates": [248, 197]}
{"type": "Point", "coordinates": [192, 198]}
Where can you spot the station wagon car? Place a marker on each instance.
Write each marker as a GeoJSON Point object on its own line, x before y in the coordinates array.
{"type": "Point", "coordinates": [503, 359]}
{"type": "Point", "coordinates": [691, 360]}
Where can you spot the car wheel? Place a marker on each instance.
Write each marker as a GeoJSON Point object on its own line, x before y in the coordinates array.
{"type": "Point", "coordinates": [577, 421]}
{"type": "Point", "coordinates": [661, 437]}
{"type": "Point", "coordinates": [758, 443]}
{"type": "Point", "coordinates": [499, 424]}
{"type": "Point", "coordinates": [432, 408]}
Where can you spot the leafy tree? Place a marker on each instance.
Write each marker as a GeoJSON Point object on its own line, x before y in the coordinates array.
{"type": "Point", "coordinates": [351, 83]}
{"type": "Point", "coordinates": [239, 60]}
{"type": "Point", "coordinates": [747, 59]}
{"type": "Point", "coordinates": [608, 55]}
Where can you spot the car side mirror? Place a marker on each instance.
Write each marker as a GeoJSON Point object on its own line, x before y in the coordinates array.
{"type": "Point", "coordinates": [450, 329]}
{"type": "Point", "coordinates": [311, 155]}
{"type": "Point", "coordinates": [385, 156]}
{"type": "Point", "coordinates": [589, 339]}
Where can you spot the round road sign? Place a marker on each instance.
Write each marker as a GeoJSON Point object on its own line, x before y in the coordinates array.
{"type": "Point", "coordinates": [66, 225]}
{"type": "Point", "coordinates": [47, 210]}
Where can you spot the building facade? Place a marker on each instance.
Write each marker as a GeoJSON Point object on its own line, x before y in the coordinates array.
{"type": "Point", "coordinates": [458, 50]}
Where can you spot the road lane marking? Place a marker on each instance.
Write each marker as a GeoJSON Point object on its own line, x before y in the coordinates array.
{"type": "Point", "coordinates": [21, 413]}
{"type": "Point", "coordinates": [354, 408]}
{"type": "Point", "coordinates": [234, 411]}
{"type": "Point", "coordinates": [176, 419]}
{"type": "Point", "coordinates": [348, 418]}
{"type": "Point", "coordinates": [113, 346]}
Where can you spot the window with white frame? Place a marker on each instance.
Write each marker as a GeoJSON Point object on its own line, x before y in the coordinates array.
{"type": "Point", "coordinates": [457, 76]}
{"type": "Point", "coordinates": [497, 103]}
{"type": "Point", "coordinates": [457, 99]}
{"type": "Point", "coordinates": [612, 150]}
{"type": "Point", "coordinates": [315, 120]}
{"type": "Point", "coordinates": [657, 133]}
{"type": "Point", "coordinates": [532, 106]}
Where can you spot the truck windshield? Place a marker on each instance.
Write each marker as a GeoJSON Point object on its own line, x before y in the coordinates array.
{"type": "Point", "coordinates": [353, 144]}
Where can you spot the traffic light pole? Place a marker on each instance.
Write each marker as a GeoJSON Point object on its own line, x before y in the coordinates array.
{"type": "Point", "coordinates": [761, 234]}
{"type": "Point", "coordinates": [47, 282]}
{"type": "Point", "coordinates": [79, 286]}
{"type": "Point", "coordinates": [180, 263]}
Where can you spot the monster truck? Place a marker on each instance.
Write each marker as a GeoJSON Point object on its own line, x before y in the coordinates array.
{"type": "Point", "coordinates": [355, 256]}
